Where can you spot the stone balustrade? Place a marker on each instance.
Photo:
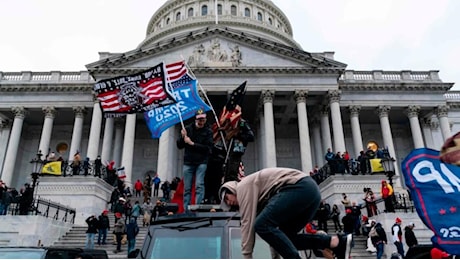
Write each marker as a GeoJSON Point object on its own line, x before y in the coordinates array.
{"type": "Point", "coordinates": [50, 77]}
{"type": "Point", "coordinates": [379, 75]}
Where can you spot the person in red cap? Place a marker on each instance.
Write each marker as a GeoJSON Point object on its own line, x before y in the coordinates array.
{"type": "Point", "coordinates": [348, 221]}
{"type": "Point", "coordinates": [102, 227]}
{"type": "Point", "coordinates": [119, 230]}
{"type": "Point", "coordinates": [396, 232]}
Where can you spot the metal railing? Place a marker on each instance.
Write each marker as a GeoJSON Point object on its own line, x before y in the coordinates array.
{"type": "Point", "coordinates": [46, 208]}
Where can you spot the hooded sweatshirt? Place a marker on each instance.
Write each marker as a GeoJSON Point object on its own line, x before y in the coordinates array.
{"type": "Point", "coordinates": [252, 191]}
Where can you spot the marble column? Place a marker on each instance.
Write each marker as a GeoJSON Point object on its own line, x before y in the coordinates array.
{"type": "Point", "coordinates": [13, 145]}
{"type": "Point", "coordinates": [427, 134]}
{"type": "Point", "coordinates": [337, 127]}
{"type": "Point", "coordinates": [304, 132]}
{"type": "Point", "coordinates": [50, 113]}
{"type": "Point", "coordinates": [77, 131]}
{"type": "Point", "coordinates": [118, 142]}
{"type": "Point", "coordinates": [325, 130]}
{"type": "Point", "coordinates": [412, 113]}
{"type": "Point", "coordinates": [356, 130]}
{"type": "Point", "coordinates": [107, 141]}
{"type": "Point", "coordinates": [128, 147]}
{"type": "Point", "coordinates": [319, 154]}
{"type": "Point", "coordinates": [166, 149]}
{"type": "Point", "coordinates": [442, 113]}
{"type": "Point", "coordinates": [95, 132]}
{"type": "Point", "coordinates": [5, 130]}
{"type": "Point", "coordinates": [269, 128]}
{"type": "Point", "coordinates": [262, 142]}
{"type": "Point", "coordinates": [383, 112]}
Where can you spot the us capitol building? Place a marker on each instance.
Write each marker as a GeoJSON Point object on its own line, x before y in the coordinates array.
{"type": "Point", "coordinates": [298, 103]}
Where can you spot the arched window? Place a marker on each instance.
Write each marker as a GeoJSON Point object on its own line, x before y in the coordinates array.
{"type": "Point", "coordinates": [178, 16]}
{"type": "Point", "coordinates": [247, 12]}
{"type": "Point", "coordinates": [270, 21]}
{"type": "Point", "coordinates": [204, 10]}
{"type": "Point", "coordinates": [219, 9]}
{"type": "Point", "coordinates": [168, 20]}
{"type": "Point", "coordinates": [233, 9]}
{"type": "Point", "coordinates": [259, 16]}
{"type": "Point", "coordinates": [190, 12]}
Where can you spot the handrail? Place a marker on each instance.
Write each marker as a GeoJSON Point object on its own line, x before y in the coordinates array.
{"type": "Point", "coordinates": [46, 208]}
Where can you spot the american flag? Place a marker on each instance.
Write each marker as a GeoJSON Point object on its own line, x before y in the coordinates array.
{"type": "Point", "coordinates": [139, 92]}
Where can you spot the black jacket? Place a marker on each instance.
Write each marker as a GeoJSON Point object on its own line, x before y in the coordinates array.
{"type": "Point", "coordinates": [382, 236]}
{"type": "Point", "coordinates": [104, 222]}
{"type": "Point", "coordinates": [92, 224]}
{"type": "Point", "coordinates": [198, 153]}
{"type": "Point", "coordinates": [409, 235]}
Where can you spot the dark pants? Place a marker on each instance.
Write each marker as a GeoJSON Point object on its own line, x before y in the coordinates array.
{"type": "Point", "coordinates": [213, 179]}
{"type": "Point", "coordinates": [285, 214]}
{"type": "Point", "coordinates": [119, 236]}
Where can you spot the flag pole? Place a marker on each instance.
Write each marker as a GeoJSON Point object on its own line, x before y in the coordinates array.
{"type": "Point", "coordinates": [210, 104]}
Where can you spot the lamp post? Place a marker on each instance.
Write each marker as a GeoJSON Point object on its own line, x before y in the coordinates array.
{"type": "Point", "coordinates": [388, 164]}
{"type": "Point", "coordinates": [37, 165]}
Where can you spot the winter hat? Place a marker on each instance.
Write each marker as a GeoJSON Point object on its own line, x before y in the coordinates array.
{"type": "Point", "coordinates": [228, 186]}
{"type": "Point", "coordinates": [348, 211]}
{"type": "Point", "coordinates": [398, 220]}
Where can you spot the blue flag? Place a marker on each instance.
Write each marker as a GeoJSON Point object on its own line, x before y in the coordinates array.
{"type": "Point", "coordinates": [435, 190]}
{"type": "Point", "coordinates": [188, 102]}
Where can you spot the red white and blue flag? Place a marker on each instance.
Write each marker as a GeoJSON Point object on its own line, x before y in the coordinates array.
{"type": "Point", "coordinates": [435, 190]}
{"type": "Point", "coordinates": [137, 93]}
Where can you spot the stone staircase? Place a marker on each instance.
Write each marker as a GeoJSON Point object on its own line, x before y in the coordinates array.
{"type": "Point", "coordinates": [76, 238]}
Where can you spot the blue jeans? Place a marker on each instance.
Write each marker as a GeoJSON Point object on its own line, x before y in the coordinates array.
{"type": "Point", "coordinates": [400, 248]}
{"type": "Point", "coordinates": [379, 248]}
{"type": "Point", "coordinates": [198, 171]}
{"type": "Point", "coordinates": [286, 213]}
{"type": "Point", "coordinates": [89, 241]}
{"type": "Point", "coordinates": [102, 236]}
{"type": "Point", "coordinates": [131, 245]}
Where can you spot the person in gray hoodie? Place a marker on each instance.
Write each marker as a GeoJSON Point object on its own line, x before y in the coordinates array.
{"type": "Point", "coordinates": [276, 203]}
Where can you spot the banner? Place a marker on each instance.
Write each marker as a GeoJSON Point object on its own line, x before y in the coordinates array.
{"type": "Point", "coordinates": [435, 190]}
{"type": "Point", "coordinates": [134, 93]}
{"type": "Point", "coordinates": [188, 102]}
{"type": "Point", "coordinates": [53, 168]}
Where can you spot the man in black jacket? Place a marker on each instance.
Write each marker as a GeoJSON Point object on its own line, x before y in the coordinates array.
{"type": "Point", "coordinates": [196, 138]}
{"type": "Point", "coordinates": [102, 227]}
{"type": "Point", "coordinates": [409, 235]}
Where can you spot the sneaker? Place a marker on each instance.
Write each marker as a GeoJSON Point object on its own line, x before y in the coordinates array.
{"type": "Point", "coordinates": [343, 250]}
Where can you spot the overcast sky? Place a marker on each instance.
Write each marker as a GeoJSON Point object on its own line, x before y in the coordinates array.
{"type": "Point", "coordinates": [45, 35]}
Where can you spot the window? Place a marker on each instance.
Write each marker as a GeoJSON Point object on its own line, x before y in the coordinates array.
{"type": "Point", "coordinates": [261, 248]}
{"type": "Point", "coordinates": [204, 10]}
{"type": "Point", "coordinates": [259, 16]}
{"type": "Point", "coordinates": [178, 16]}
{"type": "Point", "coordinates": [190, 12]}
{"type": "Point", "coordinates": [233, 9]}
{"type": "Point", "coordinates": [270, 21]}
{"type": "Point", "coordinates": [247, 12]}
{"type": "Point", "coordinates": [219, 9]}
{"type": "Point", "coordinates": [168, 20]}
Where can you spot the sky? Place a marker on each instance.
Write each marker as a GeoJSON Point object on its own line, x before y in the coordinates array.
{"type": "Point", "coordinates": [418, 35]}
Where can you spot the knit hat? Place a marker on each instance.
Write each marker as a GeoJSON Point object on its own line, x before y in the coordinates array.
{"type": "Point", "coordinates": [398, 220]}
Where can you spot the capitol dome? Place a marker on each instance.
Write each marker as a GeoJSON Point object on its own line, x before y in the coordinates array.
{"type": "Point", "coordinates": [258, 17]}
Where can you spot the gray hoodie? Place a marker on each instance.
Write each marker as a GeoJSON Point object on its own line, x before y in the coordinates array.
{"type": "Point", "coordinates": [252, 191]}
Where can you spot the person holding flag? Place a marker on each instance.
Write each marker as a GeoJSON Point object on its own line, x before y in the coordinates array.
{"type": "Point", "coordinates": [196, 139]}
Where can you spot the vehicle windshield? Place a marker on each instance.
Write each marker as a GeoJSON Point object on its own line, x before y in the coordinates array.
{"type": "Point", "coordinates": [18, 253]}
{"type": "Point", "coordinates": [261, 248]}
{"type": "Point", "coordinates": [191, 244]}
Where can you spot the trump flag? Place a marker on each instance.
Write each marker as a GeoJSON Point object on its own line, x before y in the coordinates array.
{"type": "Point", "coordinates": [435, 190]}
{"type": "Point", "coordinates": [188, 102]}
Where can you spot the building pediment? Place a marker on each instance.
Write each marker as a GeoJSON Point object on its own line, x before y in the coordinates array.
{"type": "Point", "coordinates": [217, 49]}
